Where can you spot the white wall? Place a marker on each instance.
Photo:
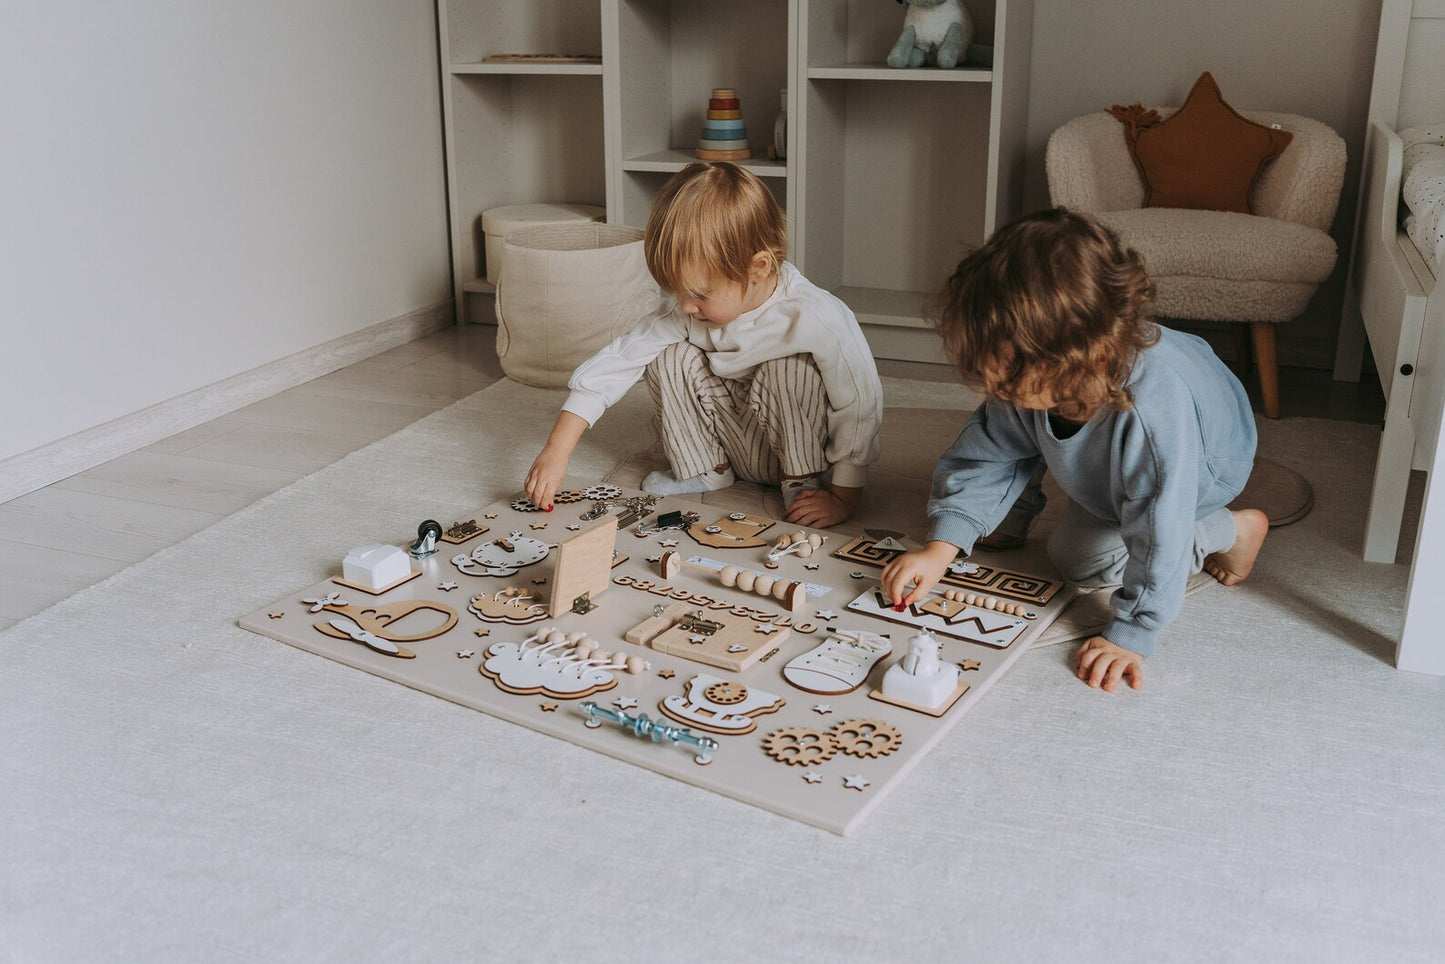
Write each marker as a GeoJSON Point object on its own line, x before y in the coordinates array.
{"type": "Point", "coordinates": [191, 190]}
{"type": "Point", "coordinates": [1310, 57]}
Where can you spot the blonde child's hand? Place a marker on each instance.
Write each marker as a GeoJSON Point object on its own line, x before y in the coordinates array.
{"type": "Point", "coordinates": [546, 475]}
{"type": "Point", "coordinates": [823, 508]}
{"type": "Point", "coordinates": [1101, 664]}
{"type": "Point", "coordinates": [921, 568]}
{"type": "Point", "coordinates": [549, 468]}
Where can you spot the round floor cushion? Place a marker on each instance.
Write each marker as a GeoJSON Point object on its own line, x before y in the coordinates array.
{"type": "Point", "coordinates": [1281, 494]}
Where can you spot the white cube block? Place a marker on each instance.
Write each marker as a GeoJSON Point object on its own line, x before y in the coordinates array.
{"type": "Point", "coordinates": [375, 566]}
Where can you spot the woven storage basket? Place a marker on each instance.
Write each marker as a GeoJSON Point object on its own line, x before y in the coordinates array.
{"type": "Point", "coordinates": [567, 290]}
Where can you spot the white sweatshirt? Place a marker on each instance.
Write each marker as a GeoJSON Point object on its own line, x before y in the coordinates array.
{"type": "Point", "coordinates": [798, 318]}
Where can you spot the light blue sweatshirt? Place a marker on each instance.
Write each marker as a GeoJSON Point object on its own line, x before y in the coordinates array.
{"type": "Point", "coordinates": [1183, 451]}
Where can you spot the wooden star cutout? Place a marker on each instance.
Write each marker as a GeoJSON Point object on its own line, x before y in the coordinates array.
{"type": "Point", "coordinates": [490, 515]}
{"type": "Point", "coordinates": [666, 673]}
{"type": "Point", "coordinates": [573, 527]}
{"type": "Point", "coordinates": [625, 703]}
{"type": "Point", "coordinates": [447, 586]}
{"type": "Point", "coordinates": [465, 654]}
{"type": "Point", "coordinates": [539, 525]}
{"type": "Point", "coordinates": [274, 615]}
{"type": "Point", "coordinates": [822, 709]}
{"type": "Point", "coordinates": [539, 582]}
{"type": "Point", "coordinates": [856, 781]}
{"type": "Point", "coordinates": [969, 664]}
{"type": "Point", "coordinates": [812, 776]}
{"type": "Point", "coordinates": [549, 707]}
{"type": "Point", "coordinates": [483, 632]}
{"type": "Point", "coordinates": [810, 565]}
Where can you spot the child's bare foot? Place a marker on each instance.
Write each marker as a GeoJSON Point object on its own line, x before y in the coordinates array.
{"type": "Point", "coordinates": [1234, 564]}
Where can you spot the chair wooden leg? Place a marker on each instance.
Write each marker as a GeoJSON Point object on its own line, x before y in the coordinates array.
{"type": "Point", "coordinates": [1242, 354]}
{"type": "Point", "coordinates": [1266, 361]}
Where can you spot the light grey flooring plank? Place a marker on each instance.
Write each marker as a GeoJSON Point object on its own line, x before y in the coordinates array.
{"type": "Point", "coordinates": [98, 525]}
{"type": "Point", "coordinates": [293, 410]}
{"type": "Point", "coordinates": [281, 447]}
{"type": "Point", "coordinates": [179, 442]}
{"type": "Point", "coordinates": [33, 578]}
{"type": "Point", "coordinates": [181, 481]}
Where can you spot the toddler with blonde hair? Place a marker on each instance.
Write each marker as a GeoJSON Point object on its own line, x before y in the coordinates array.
{"type": "Point", "coordinates": [754, 372]}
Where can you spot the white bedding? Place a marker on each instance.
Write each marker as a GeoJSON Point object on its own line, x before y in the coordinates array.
{"type": "Point", "coordinates": [1423, 191]}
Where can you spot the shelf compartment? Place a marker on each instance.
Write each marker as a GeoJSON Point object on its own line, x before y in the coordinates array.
{"type": "Point", "coordinates": [887, 74]}
{"type": "Point", "coordinates": [504, 69]}
{"type": "Point", "coordinates": [671, 161]}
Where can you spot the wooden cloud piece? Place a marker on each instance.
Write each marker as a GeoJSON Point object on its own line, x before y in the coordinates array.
{"type": "Point", "coordinates": [720, 706]}
{"type": "Point", "coordinates": [964, 574]}
{"type": "Point", "coordinates": [584, 568]}
{"type": "Point", "coordinates": [737, 530]}
{"type": "Point", "coordinates": [710, 637]}
{"type": "Point", "coordinates": [556, 665]}
{"type": "Point", "coordinates": [510, 605]}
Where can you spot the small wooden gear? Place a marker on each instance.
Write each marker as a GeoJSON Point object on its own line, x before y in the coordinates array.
{"type": "Point", "coordinates": [866, 738]}
{"type": "Point", "coordinates": [800, 746]}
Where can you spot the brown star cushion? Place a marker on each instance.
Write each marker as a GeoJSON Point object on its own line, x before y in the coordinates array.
{"type": "Point", "coordinates": [1205, 157]}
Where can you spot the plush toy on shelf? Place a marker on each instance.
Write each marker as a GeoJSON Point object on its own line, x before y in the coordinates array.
{"type": "Point", "coordinates": [935, 32]}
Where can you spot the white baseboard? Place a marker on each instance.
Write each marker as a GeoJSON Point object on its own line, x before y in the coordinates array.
{"type": "Point", "coordinates": [86, 449]}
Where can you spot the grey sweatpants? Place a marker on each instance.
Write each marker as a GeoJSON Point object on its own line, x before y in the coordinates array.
{"type": "Point", "coordinates": [1090, 552]}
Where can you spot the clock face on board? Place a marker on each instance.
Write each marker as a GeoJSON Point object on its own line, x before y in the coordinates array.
{"type": "Point", "coordinates": [502, 557]}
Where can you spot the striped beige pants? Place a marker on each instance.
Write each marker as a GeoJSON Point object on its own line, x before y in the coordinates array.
{"type": "Point", "coordinates": [768, 427]}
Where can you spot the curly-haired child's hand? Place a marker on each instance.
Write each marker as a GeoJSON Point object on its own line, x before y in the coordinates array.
{"type": "Point", "coordinates": [545, 476]}
{"type": "Point", "coordinates": [921, 568]}
{"type": "Point", "coordinates": [1101, 664]}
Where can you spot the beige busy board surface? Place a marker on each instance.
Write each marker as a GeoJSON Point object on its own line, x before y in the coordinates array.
{"type": "Point", "coordinates": [476, 627]}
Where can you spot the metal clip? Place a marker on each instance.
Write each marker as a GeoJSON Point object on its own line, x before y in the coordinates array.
{"type": "Point", "coordinates": [695, 623]}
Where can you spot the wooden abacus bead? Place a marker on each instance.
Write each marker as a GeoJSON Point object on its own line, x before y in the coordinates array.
{"type": "Point", "coordinates": [746, 578]}
{"type": "Point", "coordinates": [763, 585]}
{"type": "Point", "coordinates": [556, 636]}
{"type": "Point", "coordinates": [800, 536]}
{"type": "Point", "coordinates": [636, 664]}
{"type": "Point", "coordinates": [780, 589]}
{"type": "Point", "coordinates": [815, 540]}
{"type": "Point", "coordinates": [585, 646]}
{"type": "Point", "coordinates": [728, 576]}
{"type": "Point", "coordinates": [805, 551]}
{"type": "Point", "coordinates": [783, 542]}
{"type": "Point", "coordinates": [951, 595]}
{"type": "Point", "coordinates": [603, 655]}
{"type": "Point", "coordinates": [970, 599]}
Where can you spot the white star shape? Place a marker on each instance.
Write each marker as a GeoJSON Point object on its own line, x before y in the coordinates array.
{"type": "Point", "coordinates": [654, 558]}
{"type": "Point", "coordinates": [697, 640]}
{"type": "Point", "coordinates": [737, 648]}
{"type": "Point", "coordinates": [810, 565]}
{"type": "Point", "coordinates": [822, 709]}
{"type": "Point", "coordinates": [826, 614]}
{"type": "Point", "coordinates": [668, 543]}
{"type": "Point", "coordinates": [812, 776]}
{"type": "Point", "coordinates": [625, 703]}
{"type": "Point", "coordinates": [573, 527]}
{"type": "Point", "coordinates": [855, 781]}
{"type": "Point", "coordinates": [447, 586]}
{"type": "Point", "coordinates": [764, 628]}
{"type": "Point", "coordinates": [465, 654]}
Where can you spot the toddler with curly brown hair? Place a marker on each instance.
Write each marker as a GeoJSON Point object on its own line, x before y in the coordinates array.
{"type": "Point", "coordinates": [1148, 434]}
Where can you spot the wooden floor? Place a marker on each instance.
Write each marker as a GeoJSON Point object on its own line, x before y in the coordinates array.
{"type": "Point", "coordinates": [72, 534]}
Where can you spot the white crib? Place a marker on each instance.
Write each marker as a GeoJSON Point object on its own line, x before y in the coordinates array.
{"type": "Point", "coordinates": [1393, 298]}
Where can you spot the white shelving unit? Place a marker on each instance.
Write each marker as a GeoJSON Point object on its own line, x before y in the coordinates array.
{"type": "Point", "coordinates": [890, 174]}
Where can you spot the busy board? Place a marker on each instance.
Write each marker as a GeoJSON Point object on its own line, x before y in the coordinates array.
{"type": "Point", "coordinates": [740, 654]}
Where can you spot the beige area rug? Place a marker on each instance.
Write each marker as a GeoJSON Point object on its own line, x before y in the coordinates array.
{"type": "Point", "coordinates": [174, 788]}
{"type": "Point", "coordinates": [894, 500]}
